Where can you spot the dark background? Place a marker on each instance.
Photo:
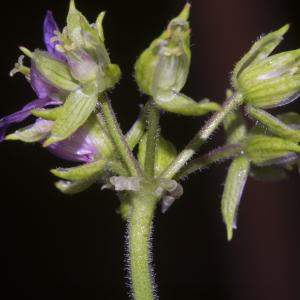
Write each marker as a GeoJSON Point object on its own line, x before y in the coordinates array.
{"type": "Point", "coordinates": [57, 246]}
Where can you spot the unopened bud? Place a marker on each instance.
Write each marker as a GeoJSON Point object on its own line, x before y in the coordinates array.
{"type": "Point", "coordinates": [274, 81]}
{"type": "Point", "coordinates": [268, 150]}
{"type": "Point", "coordinates": [165, 64]}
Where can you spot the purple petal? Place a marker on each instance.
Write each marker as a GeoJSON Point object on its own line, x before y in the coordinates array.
{"type": "Point", "coordinates": [22, 114]}
{"type": "Point", "coordinates": [78, 147]}
{"type": "Point", "coordinates": [40, 85]}
{"type": "Point", "coordinates": [50, 27]}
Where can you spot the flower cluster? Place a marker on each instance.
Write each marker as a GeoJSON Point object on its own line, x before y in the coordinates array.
{"type": "Point", "coordinates": [74, 119]}
{"type": "Point", "coordinates": [67, 79]}
{"type": "Point", "coordinates": [271, 147]}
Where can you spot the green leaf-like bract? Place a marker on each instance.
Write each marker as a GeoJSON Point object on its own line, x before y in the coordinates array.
{"type": "Point", "coordinates": [32, 133]}
{"type": "Point", "coordinates": [233, 189]}
{"type": "Point", "coordinates": [81, 172]}
{"type": "Point", "coordinates": [71, 188]}
{"type": "Point", "coordinates": [183, 105]}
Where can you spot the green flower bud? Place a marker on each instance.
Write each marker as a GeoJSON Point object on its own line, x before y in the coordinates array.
{"type": "Point", "coordinates": [54, 71]}
{"type": "Point", "coordinates": [259, 51]}
{"type": "Point", "coordinates": [85, 51]}
{"type": "Point", "coordinates": [164, 66]}
{"type": "Point", "coordinates": [271, 82]}
{"type": "Point", "coordinates": [268, 150]}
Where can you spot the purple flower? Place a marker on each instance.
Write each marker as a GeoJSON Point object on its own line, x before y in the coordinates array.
{"type": "Point", "coordinates": [47, 94]}
{"type": "Point", "coordinates": [78, 147]}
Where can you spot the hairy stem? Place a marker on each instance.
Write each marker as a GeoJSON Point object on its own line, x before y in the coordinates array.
{"type": "Point", "coordinates": [202, 136]}
{"type": "Point", "coordinates": [216, 155]}
{"type": "Point", "coordinates": [140, 222]}
{"type": "Point", "coordinates": [152, 139]}
{"type": "Point", "coordinates": [118, 138]}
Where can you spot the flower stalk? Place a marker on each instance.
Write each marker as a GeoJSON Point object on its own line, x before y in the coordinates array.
{"type": "Point", "coordinates": [203, 135]}
{"type": "Point", "coordinates": [118, 137]}
{"type": "Point", "coordinates": [152, 138]}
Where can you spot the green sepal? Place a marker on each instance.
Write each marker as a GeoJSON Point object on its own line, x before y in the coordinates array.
{"type": "Point", "coordinates": [111, 76]}
{"type": "Point", "coordinates": [183, 105]}
{"type": "Point", "coordinates": [165, 154]}
{"type": "Point", "coordinates": [275, 125]}
{"type": "Point", "coordinates": [233, 189]}
{"type": "Point", "coordinates": [76, 111]}
{"type": "Point", "coordinates": [81, 172]}
{"type": "Point", "coordinates": [48, 114]}
{"type": "Point", "coordinates": [32, 133]}
{"type": "Point", "coordinates": [56, 72]}
{"type": "Point", "coordinates": [82, 35]}
{"type": "Point", "coordinates": [267, 150]}
{"type": "Point", "coordinates": [235, 127]}
{"type": "Point", "coordinates": [75, 187]}
{"type": "Point", "coordinates": [259, 51]}
{"type": "Point", "coordinates": [75, 19]}
{"type": "Point", "coordinates": [268, 173]}
{"type": "Point", "coordinates": [99, 26]}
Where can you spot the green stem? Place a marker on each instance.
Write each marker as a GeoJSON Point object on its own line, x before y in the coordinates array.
{"type": "Point", "coordinates": [140, 222]}
{"type": "Point", "coordinates": [202, 136]}
{"type": "Point", "coordinates": [118, 138]}
{"type": "Point", "coordinates": [152, 139]}
{"type": "Point", "coordinates": [136, 132]}
{"type": "Point", "coordinates": [216, 155]}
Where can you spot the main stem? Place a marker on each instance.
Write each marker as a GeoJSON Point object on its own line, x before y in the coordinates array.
{"type": "Point", "coordinates": [202, 136]}
{"type": "Point", "coordinates": [118, 138]}
{"type": "Point", "coordinates": [139, 235]}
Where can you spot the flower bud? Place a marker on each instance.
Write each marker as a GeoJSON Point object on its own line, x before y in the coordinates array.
{"type": "Point", "coordinates": [274, 81]}
{"type": "Point", "coordinates": [165, 64]}
{"type": "Point", "coordinates": [267, 150]}
{"type": "Point", "coordinates": [83, 45]}
{"type": "Point", "coordinates": [259, 51]}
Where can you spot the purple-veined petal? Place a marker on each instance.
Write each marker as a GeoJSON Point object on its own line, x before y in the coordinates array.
{"type": "Point", "coordinates": [42, 88]}
{"type": "Point", "coordinates": [22, 114]}
{"type": "Point", "coordinates": [79, 147]}
{"type": "Point", "coordinates": [50, 27]}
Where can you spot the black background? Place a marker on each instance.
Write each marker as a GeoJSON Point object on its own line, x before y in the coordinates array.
{"type": "Point", "coordinates": [57, 246]}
